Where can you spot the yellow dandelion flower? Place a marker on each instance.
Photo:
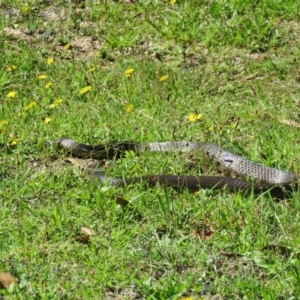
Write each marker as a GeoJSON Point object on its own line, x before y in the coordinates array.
{"type": "Point", "coordinates": [56, 103]}
{"type": "Point", "coordinates": [85, 90]}
{"type": "Point", "coordinates": [26, 10]}
{"type": "Point", "coordinates": [42, 77]}
{"type": "Point", "coordinates": [197, 193]}
{"type": "Point", "coordinates": [4, 122]}
{"type": "Point", "coordinates": [50, 61]}
{"type": "Point", "coordinates": [15, 141]}
{"type": "Point", "coordinates": [91, 70]}
{"type": "Point", "coordinates": [48, 85]}
{"type": "Point", "coordinates": [129, 107]}
{"type": "Point", "coordinates": [30, 105]}
{"type": "Point", "coordinates": [173, 1]}
{"type": "Point", "coordinates": [129, 72]}
{"type": "Point", "coordinates": [11, 68]}
{"type": "Point", "coordinates": [163, 78]}
{"type": "Point", "coordinates": [194, 117]}
{"type": "Point", "coordinates": [67, 46]}
{"type": "Point", "coordinates": [11, 94]}
{"type": "Point", "coordinates": [212, 128]}
{"type": "Point", "coordinates": [59, 101]}
{"type": "Point", "coordinates": [47, 120]}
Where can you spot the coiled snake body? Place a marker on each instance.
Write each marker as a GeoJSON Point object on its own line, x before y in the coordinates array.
{"type": "Point", "coordinates": [275, 180]}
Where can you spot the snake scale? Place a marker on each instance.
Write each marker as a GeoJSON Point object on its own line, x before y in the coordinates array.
{"type": "Point", "coordinates": [266, 178]}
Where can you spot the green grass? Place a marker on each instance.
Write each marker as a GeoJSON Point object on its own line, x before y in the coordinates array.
{"type": "Point", "coordinates": [235, 62]}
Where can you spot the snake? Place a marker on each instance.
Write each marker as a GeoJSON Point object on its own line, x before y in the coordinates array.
{"type": "Point", "coordinates": [274, 180]}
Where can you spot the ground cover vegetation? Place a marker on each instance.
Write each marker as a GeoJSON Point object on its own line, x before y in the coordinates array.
{"type": "Point", "coordinates": [97, 71]}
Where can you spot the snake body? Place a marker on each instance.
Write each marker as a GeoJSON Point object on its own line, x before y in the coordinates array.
{"type": "Point", "coordinates": [266, 177]}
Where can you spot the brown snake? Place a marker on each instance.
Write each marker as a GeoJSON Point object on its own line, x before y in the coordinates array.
{"type": "Point", "coordinates": [275, 180]}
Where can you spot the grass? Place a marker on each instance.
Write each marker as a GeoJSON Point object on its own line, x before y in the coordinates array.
{"type": "Point", "coordinates": [217, 71]}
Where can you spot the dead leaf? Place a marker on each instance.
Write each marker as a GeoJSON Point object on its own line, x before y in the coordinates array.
{"type": "Point", "coordinates": [6, 279]}
{"type": "Point", "coordinates": [83, 239]}
{"type": "Point", "coordinates": [290, 123]}
{"type": "Point", "coordinates": [73, 161]}
{"type": "Point", "coordinates": [121, 201]}
{"type": "Point", "coordinates": [203, 232]}
{"type": "Point", "coordinates": [87, 231]}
